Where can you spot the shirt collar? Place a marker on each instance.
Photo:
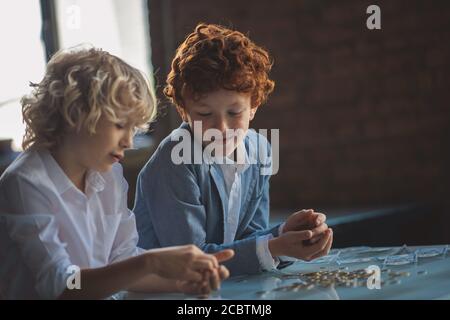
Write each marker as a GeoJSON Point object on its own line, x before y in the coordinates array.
{"type": "Point", "coordinates": [94, 180]}
{"type": "Point", "coordinates": [55, 173]}
{"type": "Point", "coordinates": [239, 167]}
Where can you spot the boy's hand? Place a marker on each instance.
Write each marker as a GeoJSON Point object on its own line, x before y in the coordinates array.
{"type": "Point", "coordinates": [184, 262]}
{"type": "Point", "coordinates": [292, 244]}
{"type": "Point", "coordinates": [214, 277]}
{"type": "Point", "coordinates": [211, 279]}
{"type": "Point", "coordinates": [203, 287]}
{"type": "Point", "coordinates": [306, 220]}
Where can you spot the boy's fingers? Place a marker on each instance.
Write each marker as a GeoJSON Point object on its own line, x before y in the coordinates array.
{"type": "Point", "coordinates": [190, 287]}
{"type": "Point", "coordinates": [184, 287]}
{"type": "Point", "coordinates": [330, 238]}
{"type": "Point", "coordinates": [315, 239]}
{"type": "Point", "coordinates": [307, 219]}
{"type": "Point", "coordinates": [320, 229]}
{"type": "Point", "coordinates": [325, 251]}
{"type": "Point", "coordinates": [214, 280]}
{"type": "Point", "coordinates": [326, 239]}
{"type": "Point", "coordinates": [301, 235]}
{"type": "Point", "coordinates": [317, 234]}
{"type": "Point", "coordinates": [224, 255]}
{"type": "Point", "coordinates": [320, 245]}
{"type": "Point", "coordinates": [213, 260]}
{"type": "Point", "coordinates": [206, 290]}
{"type": "Point", "coordinates": [210, 259]}
{"type": "Point", "coordinates": [320, 218]}
{"type": "Point", "coordinates": [206, 279]}
{"type": "Point", "coordinates": [193, 276]}
{"type": "Point", "coordinates": [196, 288]}
{"type": "Point", "coordinates": [210, 280]}
{"type": "Point", "coordinates": [315, 219]}
{"type": "Point", "coordinates": [206, 284]}
{"type": "Point", "coordinates": [223, 272]}
{"type": "Point", "coordinates": [330, 242]}
{"type": "Point", "coordinates": [302, 216]}
{"type": "Point", "coordinates": [203, 264]}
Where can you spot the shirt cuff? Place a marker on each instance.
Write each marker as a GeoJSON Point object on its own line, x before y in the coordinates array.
{"type": "Point", "coordinates": [266, 261]}
{"type": "Point", "coordinates": [280, 228]}
{"type": "Point", "coordinates": [284, 258]}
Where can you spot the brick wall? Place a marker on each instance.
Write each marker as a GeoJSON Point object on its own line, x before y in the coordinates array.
{"type": "Point", "coordinates": [364, 116]}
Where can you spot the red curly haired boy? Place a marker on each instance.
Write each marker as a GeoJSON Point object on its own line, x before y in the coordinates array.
{"type": "Point", "coordinates": [219, 80]}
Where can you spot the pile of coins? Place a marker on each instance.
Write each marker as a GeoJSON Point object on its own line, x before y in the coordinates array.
{"type": "Point", "coordinates": [296, 287]}
{"type": "Point", "coordinates": [394, 277]}
{"type": "Point", "coordinates": [341, 278]}
{"type": "Point", "coordinates": [337, 278]}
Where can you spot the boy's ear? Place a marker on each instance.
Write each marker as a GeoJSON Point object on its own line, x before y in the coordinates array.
{"type": "Point", "coordinates": [253, 112]}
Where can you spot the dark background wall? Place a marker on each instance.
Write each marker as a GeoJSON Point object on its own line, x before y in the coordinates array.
{"type": "Point", "coordinates": [364, 115]}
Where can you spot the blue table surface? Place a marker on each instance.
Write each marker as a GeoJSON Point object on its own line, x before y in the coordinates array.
{"type": "Point", "coordinates": [422, 278]}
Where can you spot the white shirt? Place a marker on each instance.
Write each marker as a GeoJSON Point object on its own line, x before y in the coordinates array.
{"type": "Point", "coordinates": [232, 175]}
{"type": "Point", "coordinates": [47, 225]}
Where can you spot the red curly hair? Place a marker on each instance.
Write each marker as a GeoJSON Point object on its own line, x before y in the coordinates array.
{"type": "Point", "coordinates": [214, 57]}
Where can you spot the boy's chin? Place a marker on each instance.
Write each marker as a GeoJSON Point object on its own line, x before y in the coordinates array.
{"type": "Point", "coordinates": [104, 167]}
{"type": "Point", "coordinates": [221, 150]}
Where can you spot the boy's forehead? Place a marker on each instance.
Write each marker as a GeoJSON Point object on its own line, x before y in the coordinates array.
{"type": "Point", "coordinates": [229, 97]}
{"type": "Point", "coordinates": [122, 116]}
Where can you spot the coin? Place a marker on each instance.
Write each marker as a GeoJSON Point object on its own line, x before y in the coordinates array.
{"type": "Point", "coordinates": [395, 281]}
{"type": "Point", "coordinates": [422, 272]}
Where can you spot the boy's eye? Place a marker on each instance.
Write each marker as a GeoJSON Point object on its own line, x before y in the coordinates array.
{"type": "Point", "coordinates": [120, 126]}
{"type": "Point", "coordinates": [204, 114]}
{"type": "Point", "coordinates": [234, 113]}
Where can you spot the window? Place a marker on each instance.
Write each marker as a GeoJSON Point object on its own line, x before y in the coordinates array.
{"type": "Point", "coordinates": [118, 26]}
{"type": "Point", "coordinates": [22, 60]}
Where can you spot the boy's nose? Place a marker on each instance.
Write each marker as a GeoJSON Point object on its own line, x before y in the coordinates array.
{"type": "Point", "coordinates": [222, 126]}
{"type": "Point", "coordinates": [127, 141]}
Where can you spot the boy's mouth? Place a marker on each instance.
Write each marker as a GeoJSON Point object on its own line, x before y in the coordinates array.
{"type": "Point", "coordinates": [225, 140]}
{"type": "Point", "coordinates": [117, 157]}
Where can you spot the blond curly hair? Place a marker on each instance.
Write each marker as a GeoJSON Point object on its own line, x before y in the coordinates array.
{"type": "Point", "coordinates": [80, 85]}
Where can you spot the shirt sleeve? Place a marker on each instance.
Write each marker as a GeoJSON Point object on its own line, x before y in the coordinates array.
{"type": "Point", "coordinates": [285, 258]}
{"type": "Point", "coordinates": [265, 258]}
{"type": "Point", "coordinates": [280, 228]}
{"type": "Point", "coordinates": [126, 238]}
{"type": "Point", "coordinates": [170, 202]}
{"type": "Point", "coordinates": [30, 242]}
{"type": "Point", "coordinates": [259, 225]}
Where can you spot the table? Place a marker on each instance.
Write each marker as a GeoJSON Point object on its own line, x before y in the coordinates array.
{"type": "Point", "coordinates": [420, 278]}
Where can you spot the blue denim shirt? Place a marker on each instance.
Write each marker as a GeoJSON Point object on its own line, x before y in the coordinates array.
{"type": "Point", "coordinates": [187, 204]}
